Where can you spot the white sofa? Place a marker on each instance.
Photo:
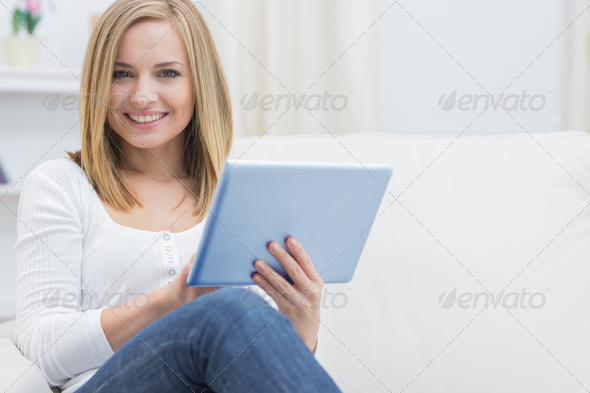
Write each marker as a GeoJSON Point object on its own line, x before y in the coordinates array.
{"type": "Point", "coordinates": [475, 216]}
{"type": "Point", "coordinates": [17, 373]}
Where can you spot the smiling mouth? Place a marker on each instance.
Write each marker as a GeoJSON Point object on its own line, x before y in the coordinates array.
{"type": "Point", "coordinates": [145, 119]}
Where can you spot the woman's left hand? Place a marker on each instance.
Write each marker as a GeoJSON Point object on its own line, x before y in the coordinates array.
{"type": "Point", "coordinates": [300, 301]}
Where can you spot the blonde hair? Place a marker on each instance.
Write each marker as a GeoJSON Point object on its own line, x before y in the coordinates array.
{"type": "Point", "coordinates": [208, 136]}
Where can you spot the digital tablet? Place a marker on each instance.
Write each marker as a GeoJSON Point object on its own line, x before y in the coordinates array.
{"type": "Point", "coordinates": [329, 208]}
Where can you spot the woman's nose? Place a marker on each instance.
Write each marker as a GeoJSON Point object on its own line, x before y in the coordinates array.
{"type": "Point", "coordinates": [142, 95]}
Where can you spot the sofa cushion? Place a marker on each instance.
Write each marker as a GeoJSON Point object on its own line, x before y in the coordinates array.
{"type": "Point", "coordinates": [17, 373]}
{"type": "Point", "coordinates": [476, 217]}
{"type": "Point", "coordinates": [507, 214]}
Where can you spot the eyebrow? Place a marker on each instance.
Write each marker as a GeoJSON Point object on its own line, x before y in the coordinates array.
{"type": "Point", "coordinates": [165, 64]}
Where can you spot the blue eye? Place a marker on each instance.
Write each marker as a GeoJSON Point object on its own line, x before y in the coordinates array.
{"type": "Point", "coordinates": [174, 75]}
{"type": "Point", "coordinates": [168, 74]}
{"type": "Point", "coordinates": [119, 72]}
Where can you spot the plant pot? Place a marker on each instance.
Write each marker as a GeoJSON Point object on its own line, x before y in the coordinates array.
{"type": "Point", "coordinates": [21, 51]}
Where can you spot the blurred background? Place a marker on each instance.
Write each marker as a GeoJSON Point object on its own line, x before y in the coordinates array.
{"type": "Point", "coordinates": [355, 66]}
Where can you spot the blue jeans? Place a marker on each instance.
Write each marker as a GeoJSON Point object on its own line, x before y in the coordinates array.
{"type": "Point", "coordinates": [215, 343]}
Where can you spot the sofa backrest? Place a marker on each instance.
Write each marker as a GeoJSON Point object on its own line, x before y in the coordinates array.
{"type": "Point", "coordinates": [474, 275]}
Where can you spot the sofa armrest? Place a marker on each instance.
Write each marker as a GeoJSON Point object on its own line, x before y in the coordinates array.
{"type": "Point", "coordinates": [17, 373]}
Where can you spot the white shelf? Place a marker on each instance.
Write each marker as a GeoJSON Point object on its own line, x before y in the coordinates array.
{"type": "Point", "coordinates": [5, 189]}
{"type": "Point", "coordinates": [39, 80]}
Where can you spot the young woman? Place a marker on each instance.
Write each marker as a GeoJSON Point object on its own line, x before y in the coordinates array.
{"type": "Point", "coordinates": [123, 216]}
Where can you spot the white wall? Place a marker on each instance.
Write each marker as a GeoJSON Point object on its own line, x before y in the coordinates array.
{"type": "Point", "coordinates": [579, 69]}
{"type": "Point", "coordinates": [64, 31]}
{"type": "Point", "coordinates": [429, 48]}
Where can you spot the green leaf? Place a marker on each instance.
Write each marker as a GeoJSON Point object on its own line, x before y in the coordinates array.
{"type": "Point", "coordinates": [20, 17]}
{"type": "Point", "coordinates": [15, 24]}
{"type": "Point", "coordinates": [33, 23]}
{"type": "Point", "coordinates": [29, 21]}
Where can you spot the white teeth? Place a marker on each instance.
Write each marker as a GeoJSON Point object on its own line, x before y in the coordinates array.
{"type": "Point", "coordinates": [146, 119]}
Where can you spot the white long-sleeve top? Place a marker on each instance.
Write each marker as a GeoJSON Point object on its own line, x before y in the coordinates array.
{"type": "Point", "coordinates": [73, 262]}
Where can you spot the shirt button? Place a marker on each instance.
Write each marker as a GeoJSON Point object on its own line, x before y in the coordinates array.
{"type": "Point", "coordinates": [171, 272]}
{"type": "Point", "coordinates": [170, 259]}
{"type": "Point", "coordinates": [166, 237]}
{"type": "Point", "coordinates": [169, 248]}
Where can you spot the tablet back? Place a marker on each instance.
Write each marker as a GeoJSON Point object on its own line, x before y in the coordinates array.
{"type": "Point", "coordinates": [329, 208]}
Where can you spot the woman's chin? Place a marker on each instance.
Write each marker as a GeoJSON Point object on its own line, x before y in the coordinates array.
{"type": "Point", "coordinates": [148, 138]}
{"type": "Point", "coordinates": [147, 142]}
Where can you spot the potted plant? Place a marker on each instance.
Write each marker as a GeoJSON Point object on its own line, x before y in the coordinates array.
{"type": "Point", "coordinates": [21, 50]}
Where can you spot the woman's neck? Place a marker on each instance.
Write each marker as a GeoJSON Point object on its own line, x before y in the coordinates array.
{"type": "Point", "coordinates": [160, 163]}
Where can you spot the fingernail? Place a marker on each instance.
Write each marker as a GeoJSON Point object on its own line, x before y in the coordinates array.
{"type": "Point", "coordinates": [292, 242]}
{"type": "Point", "coordinates": [275, 247]}
{"type": "Point", "coordinates": [256, 278]}
{"type": "Point", "coordinates": [260, 265]}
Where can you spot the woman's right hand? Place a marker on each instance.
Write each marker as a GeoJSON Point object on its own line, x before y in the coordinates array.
{"type": "Point", "coordinates": [177, 293]}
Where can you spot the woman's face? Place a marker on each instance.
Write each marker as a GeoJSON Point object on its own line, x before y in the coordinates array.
{"type": "Point", "coordinates": [151, 87]}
